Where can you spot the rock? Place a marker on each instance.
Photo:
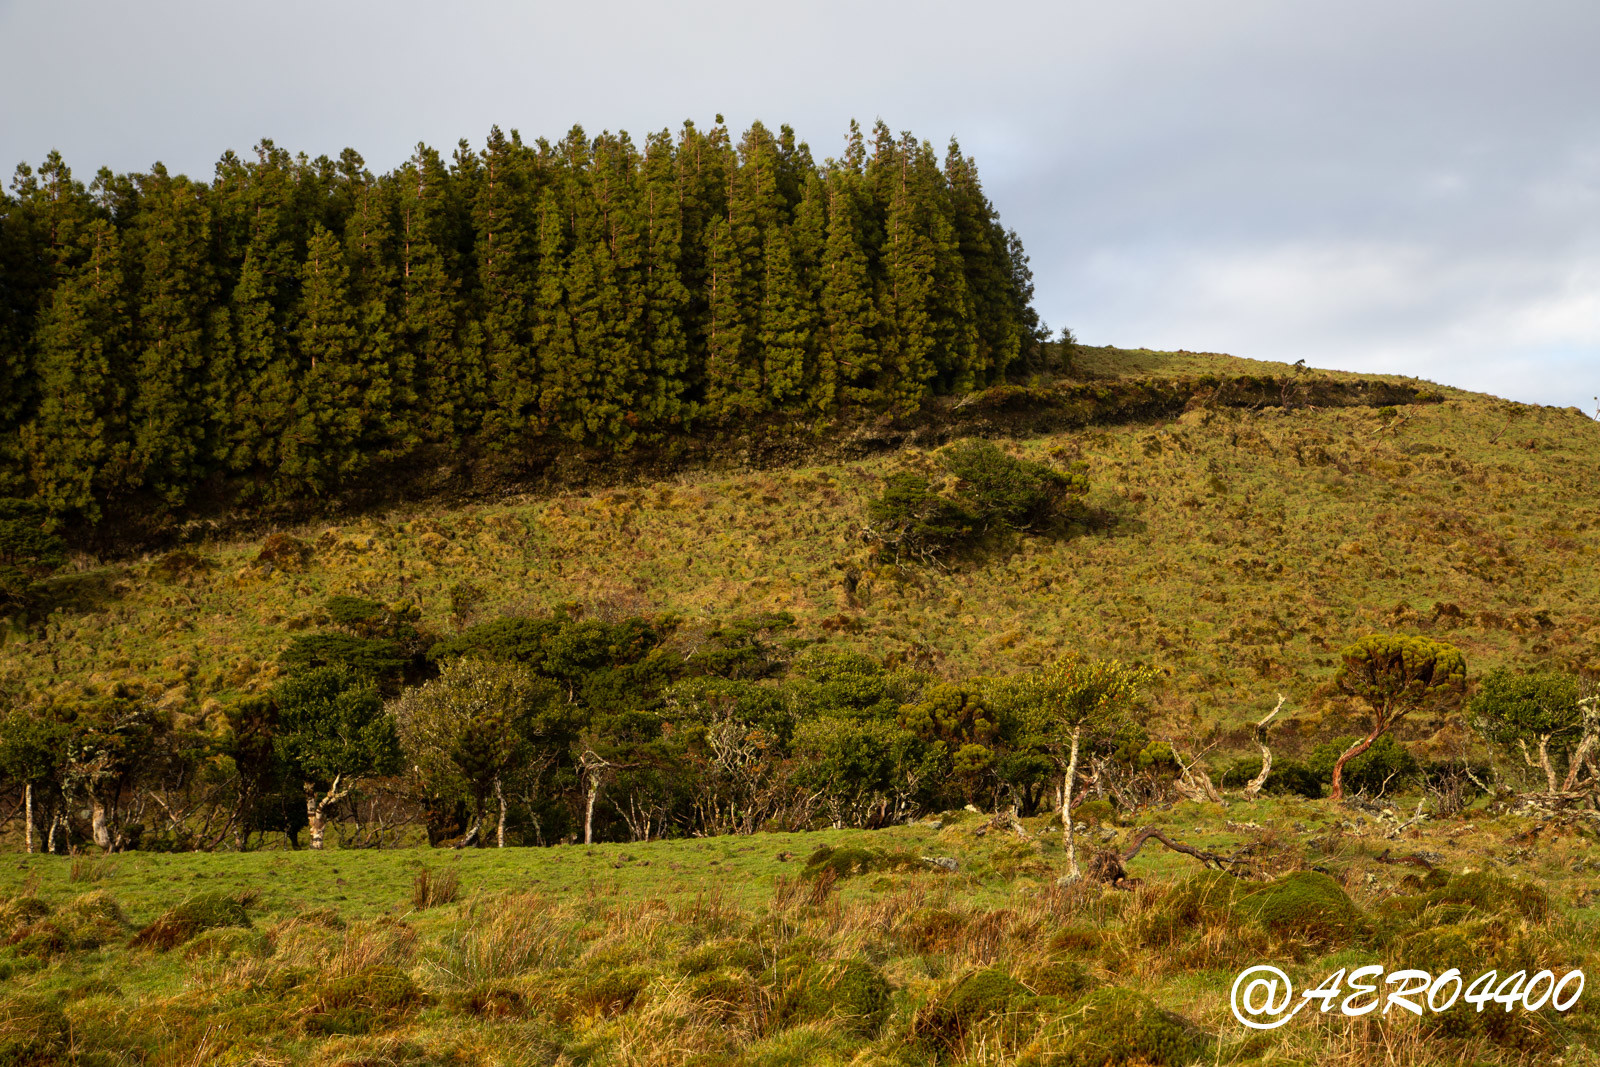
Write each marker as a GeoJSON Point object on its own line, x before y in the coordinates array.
{"type": "Point", "coordinates": [943, 863]}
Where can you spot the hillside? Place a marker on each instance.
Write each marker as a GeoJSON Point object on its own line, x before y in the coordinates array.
{"type": "Point", "coordinates": [1238, 547]}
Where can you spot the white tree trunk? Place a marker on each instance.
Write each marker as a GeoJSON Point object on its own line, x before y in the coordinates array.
{"type": "Point", "coordinates": [316, 821]}
{"type": "Point", "coordinates": [500, 831]}
{"type": "Point", "coordinates": [27, 804]}
{"type": "Point", "coordinates": [101, 824]}
{"type": "Point", "coordinates": [588, 811]}
{"type": "Point", "coordinates": [1073, 874]}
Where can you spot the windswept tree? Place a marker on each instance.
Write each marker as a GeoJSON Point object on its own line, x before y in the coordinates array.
{"type": "Point", "coordinates": [1072, 700]}
{"type": "Point", "coordinates": [1548, 709]}
{"type": "Point", "coordinates": [467, 731]}
{"type": "Point", "coordinates": [1394, 675]}
{"type": "Point", "coordinates": [332, 733]}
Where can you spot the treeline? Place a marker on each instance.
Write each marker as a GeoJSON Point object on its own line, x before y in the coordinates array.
{"type": "Point", "coordinates": [293, 324]}
{"type": "Point", "coordinates": [538, 730]}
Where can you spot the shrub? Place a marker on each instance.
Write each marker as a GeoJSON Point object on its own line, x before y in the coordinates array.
{"type": "Point", "coordinates": [1287, 777]}
{"type": "Point", "coordinates": [912, 518]}
{"type": "Point", "coordinates": [987, 490]}
{"type": "Point", "coordinates": [1016, 493]}
{"type": "Point", "coordinates": [193, 916]}
{"type": "Point", "coordinates": [1384, 766]}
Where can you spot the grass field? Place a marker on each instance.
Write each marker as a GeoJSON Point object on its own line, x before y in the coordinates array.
{"type": "Point", "coordinates": [733, 950]}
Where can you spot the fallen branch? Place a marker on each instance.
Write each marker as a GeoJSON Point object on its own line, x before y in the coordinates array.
{"type": "Point", "coordinates": [1109, 867]}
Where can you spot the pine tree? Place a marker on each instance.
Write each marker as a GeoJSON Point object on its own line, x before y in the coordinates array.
{"type": "Point", "coordinates": [176, 295]}
{"type": "Point", "coordinates": [506, 249]}
{"type": "Point", "coordinates": [849, 360]}
{"type": "Point", "coordinates": [75, 442]}
{"type": "Point", "coordinates": [387, 375]}
{"type": "Point", "coordinates": [320, 445]}
{"type": "Point", "coordinates": [666, 298]}
{"type": "Point", "coordinates": [787, 322]}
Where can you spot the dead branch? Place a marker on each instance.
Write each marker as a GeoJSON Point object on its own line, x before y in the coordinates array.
{"type": "Point", "coordinates": [1212, 860]}
{"type": "Point", "coordinates": [1193, 782]}
{"type": "Point", "coordinates": [1252, 788]}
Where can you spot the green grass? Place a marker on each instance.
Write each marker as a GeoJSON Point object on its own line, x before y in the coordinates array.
{"type": "Point", "coordinates": [719, 951]}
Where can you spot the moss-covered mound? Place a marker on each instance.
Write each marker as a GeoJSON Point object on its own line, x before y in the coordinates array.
{"type": "Point", "coordinates": [1305, 906]}
{"type": "Point", "coordinates": [847, 862]}
{"type": "Point", "coordinates": [33, 928]}
{"type": "Point", "coordinates": [1114, 1026]}
{"type": "Point", "coordinates": [195, 915]}
{"type": "Point", "coordinates": [851, 992]}
{"type": "Point", "coordinates": [1477, 894]}
{"type": "Point", "coordinates": [360, 1003]}
{"type": "Point", "coordinates": [978, 998]}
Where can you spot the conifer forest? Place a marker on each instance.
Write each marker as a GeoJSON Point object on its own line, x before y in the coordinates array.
{"type": "Point", "coordinates": [293, 325]}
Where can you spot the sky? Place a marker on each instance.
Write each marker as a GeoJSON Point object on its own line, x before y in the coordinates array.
{"type": "Point", "coordinates": [1406, 186]}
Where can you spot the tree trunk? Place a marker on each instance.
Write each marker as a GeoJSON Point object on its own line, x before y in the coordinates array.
{"type": "Point", "coordinates": [1349, 754]}
{"type": "Point", "coordinates": [588, 811]}
{"type": "Point", "coordinates": [500, 831]}
{"type": "Point", "coordinates": [101, 824]}
{"type": "Point", "coordinates": [1073, 874]}
{"type": "Point", "coordinates": [27, 804]}
{"type": "Point", "coordinates": [316, 821]}
{"type": "Point", "coordinates": [50, 842]}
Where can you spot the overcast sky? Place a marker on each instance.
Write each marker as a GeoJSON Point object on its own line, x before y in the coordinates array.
{"type": "Point", "coordinates": [1390, 186]}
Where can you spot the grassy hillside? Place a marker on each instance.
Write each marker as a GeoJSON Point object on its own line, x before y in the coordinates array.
{"type": "Point", "coordinates": [774, 950]}
{"type": "Point", "coordinates": [1238, 548]}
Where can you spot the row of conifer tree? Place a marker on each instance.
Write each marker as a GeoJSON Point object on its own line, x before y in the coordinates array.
{"type": "Point", "coordinates": [293, 322]}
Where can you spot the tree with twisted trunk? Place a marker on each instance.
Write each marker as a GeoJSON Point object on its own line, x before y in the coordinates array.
{"type": "Point", "coordinates": [1396, 674]}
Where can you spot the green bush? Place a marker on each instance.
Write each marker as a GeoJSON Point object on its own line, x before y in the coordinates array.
{"type": "Point", "coordinates": [1287, 777]}
{"type": "Point", "coordinates": [987, 490]}
{"type": "Point", "coordinates": [1016, 493]}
